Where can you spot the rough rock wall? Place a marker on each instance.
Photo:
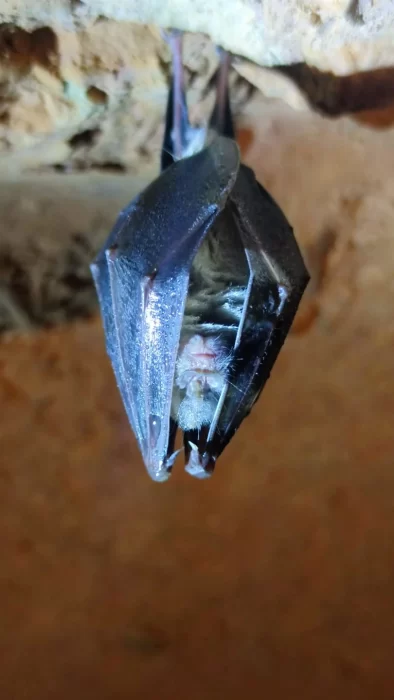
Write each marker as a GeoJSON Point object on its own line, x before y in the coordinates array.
{"type": "Point", "coordinates": [341, 35]}
{"type": "Point", "coordinates": [88, 98]}
{"type": "Point", "coordinates": [81, 85]}
{"type": "Point", "coordinates": [333, 178]}
{"type": "Point", "coordinates": [275, 578]}
{"type": "Point", "coordinates": [83, 91]}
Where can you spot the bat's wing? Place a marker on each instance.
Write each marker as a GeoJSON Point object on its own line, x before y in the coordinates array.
{"type": "Point", "coordinates": [277, 280]}
{"type": "Point", "coordinates": [142, 276]}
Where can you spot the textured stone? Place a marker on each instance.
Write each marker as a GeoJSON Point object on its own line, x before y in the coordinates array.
{"type": "Point", "coordinates": [333, 178]}
{"type": "Point", "coordinates": [275, 578]}
{"type": "Point", "coordinates": [94, 98]}
{"type": "Point", "coordinates": [83, 86]}
{"type": "Point", "coordinates": [339, 35]}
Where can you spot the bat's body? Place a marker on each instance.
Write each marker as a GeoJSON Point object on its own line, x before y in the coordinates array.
{"type": "Point", "coordinates": [198, 283]}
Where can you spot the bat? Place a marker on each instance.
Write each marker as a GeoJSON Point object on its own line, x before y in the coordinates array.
{"type": "Point", "coordinates": [198, 285]}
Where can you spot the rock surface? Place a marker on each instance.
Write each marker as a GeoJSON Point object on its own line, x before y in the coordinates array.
{"type": "Point", "coordinates": [276, 575]}
{"type": "Point", "coordinates": [274, 578]}
{"type": "Point", "coordinates": [82, 86]}
{"type": "Point", "coordinates": [333, 178]}
{"type": "Point", "coordinates": [96, 97]}
{"type": "Point", "coordinates": [339, 35]}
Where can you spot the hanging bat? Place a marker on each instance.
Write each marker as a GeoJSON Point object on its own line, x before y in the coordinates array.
{"type": "Point", "coordinates": [198, 283]}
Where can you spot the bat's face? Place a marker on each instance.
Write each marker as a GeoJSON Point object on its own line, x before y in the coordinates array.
{"type": "Point", "coordinates": [198, 284]}
{"type": "Point", "coordinates": [201, 374]}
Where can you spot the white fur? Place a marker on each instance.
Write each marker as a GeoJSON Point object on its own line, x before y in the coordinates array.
{"type": "Point", "coordinates": [199, 379]}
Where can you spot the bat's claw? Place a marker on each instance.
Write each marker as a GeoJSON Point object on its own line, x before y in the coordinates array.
{"type": "Point", "coordinates": [159, 475]}
{"type": "Point", "coordinates": [160, 467]}
{"type": "Point", "coordinates": [169, 34]}
{"type": "Point", "coordinates": [221, 52]}
{"type": "Point", "coordinates": [199, 465]}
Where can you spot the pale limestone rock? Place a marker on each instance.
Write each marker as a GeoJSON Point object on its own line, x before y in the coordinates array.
{"type": "Point", "coordinates": [109, 82]}
{"type": "Point", "coordinates": [333, 179]}
{"type": "Point", "coordinates": [284, 559]}
{"type": "Point", "coordinates": [88, 91]}
{"type": "Point", "coordinates": [72, 67]}
{"type": "Point", "coordinates": [273, 84]}
{"type": "Point", "coordinates": [344, 35]}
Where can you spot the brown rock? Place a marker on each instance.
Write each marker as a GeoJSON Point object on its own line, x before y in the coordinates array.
{"type": "Point", "coordinates": [274, 578]}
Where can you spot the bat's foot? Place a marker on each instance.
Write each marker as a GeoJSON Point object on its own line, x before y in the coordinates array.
{"type": "Point", "coordinates": [178, 132]}
{"type": "Point", "coordinates": [200, 466]}
{"type": "Point", "coordinates": [221, 120]}
{"type": "Point", "coordinates": [170, 34]}
{"type": "Point", "coordinates": [180, 138]}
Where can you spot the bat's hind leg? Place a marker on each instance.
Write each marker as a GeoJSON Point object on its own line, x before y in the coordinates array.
{"type": "Point", "coordinates": [221, 120]}
{"type": "Point", "coordinates": [177, 126]}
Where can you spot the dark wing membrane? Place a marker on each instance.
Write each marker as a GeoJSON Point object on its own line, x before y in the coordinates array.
{"type": "Point", "coordinates": [142, 275]}
{"type": "Point", "coordinates": [278, 279]}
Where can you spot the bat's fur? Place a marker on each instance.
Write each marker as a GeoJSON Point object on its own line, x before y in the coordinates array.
{"type": "Point", "coordinates": [218, 281]}
{"type": "Point", "coordinates": [213, 310]}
